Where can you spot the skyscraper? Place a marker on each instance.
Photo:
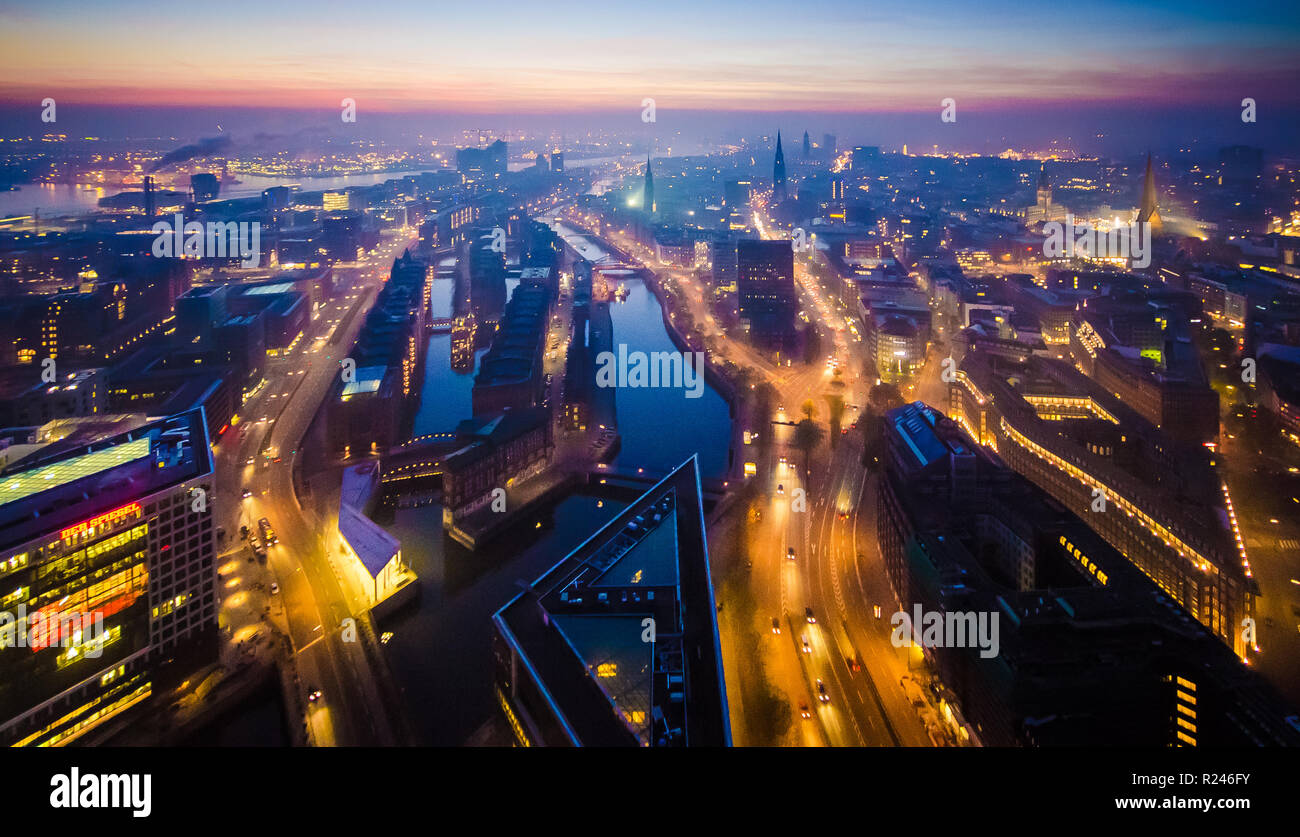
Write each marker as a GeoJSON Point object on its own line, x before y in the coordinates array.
{"type": "Point", "coordinates": [648, 192]}
{"type": "Point", "coordinates": [778, 172]}
{"type": "Point", "coordinates": [1148, 213]}
{"type": "Point", "coordinates": [108, 549]}
{"type": "Point", "coordinates": [807, 146]}
{"type": "Point", "coordinates": [765, 287]}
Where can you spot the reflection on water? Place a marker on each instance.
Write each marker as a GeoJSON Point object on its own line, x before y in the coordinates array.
{"type": "Point", "coordinates": [441, 650]}
{"type": "Point", "coordinates": [661, 428]}
{"type": "Point", "coordinates": [67, 199]}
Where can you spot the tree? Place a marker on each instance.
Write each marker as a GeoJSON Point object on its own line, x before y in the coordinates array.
{"type": "Point", "coordinates": [812, 346]}
{"type": "Point", "coordinates": [809, 409]}
{"type": "Point", "coordinates": [807, 435]}
{"type": "Point", "coordinates": [835, 406]}
{"type": "Point", "coordinates": [873, 449]}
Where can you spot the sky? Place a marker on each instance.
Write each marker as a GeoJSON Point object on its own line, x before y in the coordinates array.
{"type": "Point", "coordinates": [567, 56]}
{"type": "Point", "coordinates": [1002, 62]}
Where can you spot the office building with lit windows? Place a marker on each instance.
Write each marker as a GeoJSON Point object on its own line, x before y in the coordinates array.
{"type": "Point", "coordinates": [1089, 652]}
{"type": "Point", "coordinates": [1157, 500]}
{"type": "Point", "coordinates": [369, 406]}
{"type": "Point", "coordinates": [765, 290]}
{"type": "Point", "coordinates": [107, 583]}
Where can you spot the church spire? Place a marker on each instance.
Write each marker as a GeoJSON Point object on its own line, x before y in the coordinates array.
{"type": "Point", "coordinates": [778, 171]}
{"type": "Point", "coordinates": [648, 192]}
{"type": "Point", "coordinates": [1148, 212]}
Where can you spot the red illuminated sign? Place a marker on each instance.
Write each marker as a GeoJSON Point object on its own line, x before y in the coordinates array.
{"type": "Point", "coordinates": [107, 517]}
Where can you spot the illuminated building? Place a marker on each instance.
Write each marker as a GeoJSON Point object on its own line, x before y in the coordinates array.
{"type": "Point", "coordinates": [368, 552]}
{"type": "Point", "coordinates": [462, 342]}
{"type": "Point", "coordinates": [617, 644]}
{"type": "Point", "coordinates": [116, 533]}
{"type": "Point", "coordinates": [897, 344]}
{"type": "Point", "coordinates": [765, 287]}
{"type": "Point", "coordinates": [335, 201]}
{"type": "Point", "coordinates": [510, 374]}
{"type": "Point", "coordinates": [1148, 212]}
{"type": "Point", "coordinates": [494, 451]}
{"type": "Point", "coordinates": [369, 405]}
{"type": "Point", "coordinates": [1139, 348]}
{"type": "Point", "coordinates": [1088, 652]}
{"type": "Point", "coordinates": [73, 394]}
{"type": "Point", "coordinates": [1164, 509]}
{"type": "Point", "coordinates": [1044, 210]}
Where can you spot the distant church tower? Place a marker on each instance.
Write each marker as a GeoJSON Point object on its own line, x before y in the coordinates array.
{"type": "Point", "coordinates": [778, 172]}
{"type": "Point", "coordinates": [648, 195]}
{"type": "Point", "coordinates": [1044, 189]}
{"type": "Point", "coordinates": [1044, 211]}
{"type": "Point", "coordinates": [1148, 212]}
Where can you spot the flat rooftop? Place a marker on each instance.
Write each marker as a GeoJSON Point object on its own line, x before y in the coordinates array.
{"type": "Point", "coordinates": [580, 627]}
{"type": "Point", "coordinates": [44, 492]}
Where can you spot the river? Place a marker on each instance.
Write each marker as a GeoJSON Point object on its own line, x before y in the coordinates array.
{"type": "Point", "coordinates": [441, 650]}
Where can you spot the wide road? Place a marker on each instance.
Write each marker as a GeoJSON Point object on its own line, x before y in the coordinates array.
{"type": "Point", "coordinates": [355, 701]}
{"type": "Point", "coordinates": [837, 569]}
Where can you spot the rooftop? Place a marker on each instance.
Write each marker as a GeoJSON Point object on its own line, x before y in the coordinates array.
{"type": "Point", "coordinates": [581, 628]}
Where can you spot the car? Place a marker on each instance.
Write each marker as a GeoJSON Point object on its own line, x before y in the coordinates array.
{"type": "Point", "coordinates": [776, 625]}
{"type": "Point", "coordinates": [248, 492]}
{"type": "Point", "coordinates": [275, 588]}
{"type": "Point", "coordinates": [803, 710]}
{"type": "Point", "coordinates": [821, 692]}
{"type": "Point", "coordinates": [252, 460]}
{"type": "Point", "coordinates": [313, 694]}
{"type": "Point", "coordinates": [853, 663]}
{"type": "Point", "coordinates": [877, 611]}
{"type": "Point", "coordinates": [268, 534]}
{"type": "Point", "coordinates": [807, 649]}
{"type": "Point", "coordinates": [782, 462]}
{"type": "Point", "coordinates": [844, 514]}
{"type": "Point", "coordinates": [780, 489]}
{"type": "Point", "coordinates": [789, 552]}
{"type": "Point", "coordinates": [808, 614]}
